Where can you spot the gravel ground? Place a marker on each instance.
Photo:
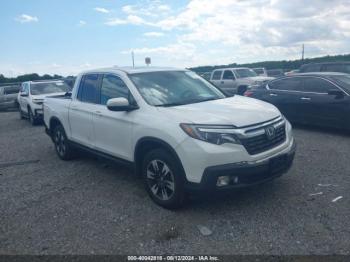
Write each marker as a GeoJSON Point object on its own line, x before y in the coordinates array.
{"type": "Point", "coordinates": [89, 206]}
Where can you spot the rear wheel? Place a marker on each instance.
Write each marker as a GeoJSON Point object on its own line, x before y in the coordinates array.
{"type": "Point", "coordinates": [62, 147]}
{"type": "Point", "coordinates": [164, 179]}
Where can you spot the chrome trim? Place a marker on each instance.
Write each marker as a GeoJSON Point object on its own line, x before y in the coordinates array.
{"type": "Point", "coordinates": [294, 91]}
{"type": "Point", "coordinates": [258, 129]}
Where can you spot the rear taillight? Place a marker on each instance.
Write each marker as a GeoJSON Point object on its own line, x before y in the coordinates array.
{"type": "Point", "coordinates": [248, 93]}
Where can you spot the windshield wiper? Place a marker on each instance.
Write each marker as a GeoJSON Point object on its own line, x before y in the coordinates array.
{"type": "Point", "coordinates": [171, 104]}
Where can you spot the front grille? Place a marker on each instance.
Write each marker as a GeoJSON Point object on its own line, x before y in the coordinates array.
{"type": "Point", "coordinates": [257, 144]}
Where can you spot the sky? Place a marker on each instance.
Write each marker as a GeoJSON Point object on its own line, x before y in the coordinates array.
{"type": "Point", "coordinates": [67, 36]}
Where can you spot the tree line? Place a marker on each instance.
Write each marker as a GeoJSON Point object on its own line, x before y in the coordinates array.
{"type": "Point", "coordinates": [285, 65]}
{"type": "Point", "coordinates": [28, 77]}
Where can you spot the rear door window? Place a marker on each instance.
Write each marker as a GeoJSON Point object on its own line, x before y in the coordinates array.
{"type": "Point", "coordinates": [228, 75]}
{"type": "Point", "coordinates": [11, 90]}
{"type": "Point", "coordinates": [217, 75]}
{"type": "Point", "coordinates": [317, 85]}
{"type": "Point", "coordinates": [333, 68]}
{"type": "Point", "coordinates": [89, 88]}
{"type": "Point", "coordinates": [287, 84]}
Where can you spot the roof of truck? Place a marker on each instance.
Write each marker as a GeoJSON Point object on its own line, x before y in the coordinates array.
{"type": "Point", "coordinates": [133, 70]}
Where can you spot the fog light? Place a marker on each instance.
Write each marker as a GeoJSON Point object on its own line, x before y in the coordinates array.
{"type": "Point", "coordinates": [223, 181]}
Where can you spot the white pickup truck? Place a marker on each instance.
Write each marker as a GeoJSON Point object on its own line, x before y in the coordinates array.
{"type": "Point", "coordinates": [177, 130]}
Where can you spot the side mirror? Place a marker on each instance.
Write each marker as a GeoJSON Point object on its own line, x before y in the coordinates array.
{"type": "Point", "coordinates": [24, 94]}
{"type": "Point", "coordinates": [335, 92]}
{"type": "Point", "coordinates": [120, 104]}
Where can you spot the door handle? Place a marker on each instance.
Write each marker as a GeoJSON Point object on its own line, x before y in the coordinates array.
{"type": "Point", "coordinates": [273, 95]}
{"type": "Point", "coordinates": [305, 98]}
{"type": "Point", "coordinates": [222, 82]}
{"type": "Point", "coordinates": [99, 113]}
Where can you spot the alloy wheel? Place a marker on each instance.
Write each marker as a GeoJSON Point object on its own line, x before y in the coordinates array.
{"type": "Point", "coordinates": [160, 179]}
{"type": "Point", "coordinates": [60, 143]}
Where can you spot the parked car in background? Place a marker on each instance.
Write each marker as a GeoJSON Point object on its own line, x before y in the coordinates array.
{"type": "Point", "coordinates": [320, 99]}
{"type": "Point", "coordinates": [236, 80]}
{"type": "Point", "coordinates": [8, 96]}
{"type": "Point", "coordinates": [292, 72]}
{"type": "Point", "coordinates": [275, 73]}
{"type": "Point", "coordinates": [342, 67]}
{"type": "Point", "coordinates": [177, 130]}
{"type": "Point", "coordinates": [206, 75]}
{"type": "Point", "coordinates": [261, 71]}
{"type": "Point", "coordinates": [32, 94]}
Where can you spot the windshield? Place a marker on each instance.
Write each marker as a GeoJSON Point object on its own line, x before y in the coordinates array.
{"type": "Point", "coordinates": [171, 88]}
{"type": "Point", "coordinates": [343, 81]}
{"type": "Point", "coordinates": [245, 72]}
{"type": "Point", "coordinates": [48, 88]}
{"type": "Point", "coordinates": [259, 70]}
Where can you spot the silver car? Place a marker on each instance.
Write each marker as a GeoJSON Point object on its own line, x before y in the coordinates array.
{"type": "Point", "coordinates": [8, 97]}
{"type": "Point", "coordinates": [236, 80]}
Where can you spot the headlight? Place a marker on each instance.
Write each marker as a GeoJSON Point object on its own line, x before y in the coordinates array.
{"type": "Point", "coordinates": [38, 102]}
{"type": "Point", "coordinates": [214, 134]}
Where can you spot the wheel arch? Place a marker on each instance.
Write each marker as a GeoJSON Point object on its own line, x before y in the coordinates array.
{"type": "Point", "coordinates": [54, 121]}
{"type": "Point", "coordinates": [146, 144]}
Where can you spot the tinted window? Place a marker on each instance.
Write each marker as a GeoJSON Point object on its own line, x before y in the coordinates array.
{"type": "Point", "coordinates": [113, 87]}
{"type": "Point", "coordinates": [343, 81]}
{"type": "Point", "coordinates": [217, 75]}
{"type": "Point", "coordinates": [311, 68]}
{"type": "Point", "coordinates": [290, 84]}
{"type": "Point", "coordinates": [228, 75]}
{"type": "Point", "coordinates": [333, 68]}
{"type": "Point", "coordinates": [245, 72]}
{"type": "Point", "coordinates": [347, 68]}
{"type": "Point", "coordinates": [317, 85]}
{"type": "Point", "coordinates": [88, 91]}
{"type": "Point", "coordinates": [49, 88]}
{"type": "Point", "coordinates": [11, 90]}
{"type": "Point", "coordinates": [259, 70]}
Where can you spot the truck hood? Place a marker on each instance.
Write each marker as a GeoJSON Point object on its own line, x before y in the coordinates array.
{"type": "Point", "coordinates": [41, 97]}
{"type": "Point", "coordinates": [238, 111]}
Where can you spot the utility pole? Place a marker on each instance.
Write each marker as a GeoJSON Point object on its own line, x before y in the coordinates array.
{"type": "Point", "coordinates": [133, 58]}
{"type": "Point", "coordinates": [302, 53]}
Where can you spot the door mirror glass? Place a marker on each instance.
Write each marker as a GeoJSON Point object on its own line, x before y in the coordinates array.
{"type": "Point", "coordinates": [335, 92]}
{"type": "Point", "coordinates": [120, 104]}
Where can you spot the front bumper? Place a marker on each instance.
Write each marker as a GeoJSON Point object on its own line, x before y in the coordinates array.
{"type": "Point", "coordinates": [245, 174]}
{"type": "Point", "coordinates": [38, 113]}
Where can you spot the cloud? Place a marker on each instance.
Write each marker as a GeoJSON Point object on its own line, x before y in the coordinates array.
{"type": "Point", "coordinates": [153, 34]}
{"type": "Point", "coordinates": [130, 19]}
{"type": "Point", "coordinates": [82, 23]}
{"type": "Point", "coordinates": [102, 10]}
{"type": "Point", "coordinates": [246, 31]}
{"type": "Point", "coordinates": [26, 19]}
{"type": "Point", "coordinates": [148, 8]}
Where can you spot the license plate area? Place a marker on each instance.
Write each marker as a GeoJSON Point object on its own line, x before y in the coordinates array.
{"type": "Point", "coordinates": [278, 164]}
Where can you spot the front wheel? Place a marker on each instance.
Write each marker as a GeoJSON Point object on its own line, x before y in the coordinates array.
{"type": "Point", "coordinates": [62, 147]}
{"type": "Point", "coordinates": [164, 179]}
{"type": "Point", "coordinates": [31, 117]}
{"type": "Point", "coordinates": [20, 112]}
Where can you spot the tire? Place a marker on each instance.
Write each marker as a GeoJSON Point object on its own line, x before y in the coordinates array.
{"type": "Point", "coordinates": [31, 117]}
{"type": "Point", "coordinates": [20, 112]}
{"type": "Point", "coordinates": [241, 90]}
{"type": "Point", "coordinates": [163, 179]}
{"type": "Point", "coordinates": [63, 149]}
